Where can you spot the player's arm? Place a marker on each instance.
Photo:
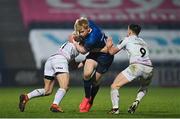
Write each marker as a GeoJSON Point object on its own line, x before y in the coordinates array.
{"type": "Point", "coordinates": [79, 47]}
{"type": "Point", "coordinates": [114, 49]}
{"type": "Point", "coordinates": [105, 48]}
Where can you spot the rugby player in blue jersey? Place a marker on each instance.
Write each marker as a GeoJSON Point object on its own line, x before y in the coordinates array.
{"type": "Point", "coordinates": [97, 61]}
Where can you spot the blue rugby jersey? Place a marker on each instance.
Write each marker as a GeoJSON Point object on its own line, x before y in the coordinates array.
{"type": "Point", "coordinates": [95, 39]}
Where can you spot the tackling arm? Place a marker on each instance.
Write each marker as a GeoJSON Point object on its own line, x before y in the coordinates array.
{"type": "Point", "coordinates": [79, 47]}
{"type": "Point", "coordinates": [110, 47]}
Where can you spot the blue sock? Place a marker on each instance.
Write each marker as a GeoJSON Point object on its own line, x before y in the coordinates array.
{"type": "Point", "coordinates": [94, 91]}
{"type": "Point", "coordinates": [87, 88]}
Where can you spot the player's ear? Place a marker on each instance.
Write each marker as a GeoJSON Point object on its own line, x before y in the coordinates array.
{"type": "Point", "coordinates": [89, 29]}
{"type": "Point", "coordinates": [71, 38]}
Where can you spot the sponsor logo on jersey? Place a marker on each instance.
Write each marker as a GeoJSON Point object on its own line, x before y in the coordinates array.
{"type": "Point", "coordinates": [59, 67]}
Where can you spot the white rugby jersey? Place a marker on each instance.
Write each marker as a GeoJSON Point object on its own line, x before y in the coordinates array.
{"type": "Point", "coordinates": [137, 50]}
{"type": "Point", "coordinates": [68, 50]}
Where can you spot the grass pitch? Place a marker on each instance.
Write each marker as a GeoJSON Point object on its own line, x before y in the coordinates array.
{"type": "Point", "coordinates": [159, 103]}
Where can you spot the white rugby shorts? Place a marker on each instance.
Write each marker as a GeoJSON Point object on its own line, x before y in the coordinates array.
{"type": "Point", "coordinates": [134, 71]}
{"type": "Point", "coordinates": [54, 64]}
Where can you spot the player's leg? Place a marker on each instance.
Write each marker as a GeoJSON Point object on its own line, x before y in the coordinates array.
{"type": "Point", "coordinates": [141, 93]}
{"type": "Point", "coordinates": [104, 62]}
{"type": "Point", "coordinates": [48, 82]}
{"type": "Point", "coordinates": [63, 80]}
{"type": "Point", "coordinates": [60, 67]}
{"type": "Point", "coordinates": [24, 98]}
{"type": "Point", "coordinates": [119, 81]}
{"type": "Point", "coordinates": [48, 86]}
{"type": "Point", "coordinates": [94, 89]}
{"type": "Point", "coordinates": [145, 80]}
{"type": "Point", "coordinates": [143, 89]}
{"type": "Point", "coordinates": [101, 62]}
{"type": "Point", "coordinates": [47, 90]}
{"type": "Point", "coordinates": [89, 74]}
{"type": "Point", "coordinates": [95, 86]}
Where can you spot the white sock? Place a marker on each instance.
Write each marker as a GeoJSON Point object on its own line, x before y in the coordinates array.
{"type": "Point", "coordinates": [36, 92]}
{"type": "Point", "coordinates": [140, 95]}
{"type": "Point", "coordinates": [115, 98]}
{"type": "Point", "coordinates": [59, 95]}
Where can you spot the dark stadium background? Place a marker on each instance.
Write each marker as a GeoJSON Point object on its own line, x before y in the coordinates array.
{"type": "Point", "coordinates": [17, 62]}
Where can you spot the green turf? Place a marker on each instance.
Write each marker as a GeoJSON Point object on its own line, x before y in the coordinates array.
{"type": "Point", "coordinates": [159, 103]}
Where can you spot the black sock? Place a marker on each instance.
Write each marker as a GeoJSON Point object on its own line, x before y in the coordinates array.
{"type": "Point", "coordinates": [94, 92]}
{"type": "Point", "coordinates": [87, 88]}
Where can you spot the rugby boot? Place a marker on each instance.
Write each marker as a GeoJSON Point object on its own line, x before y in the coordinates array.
{"type": "Point", "coordinates": [23, 99]}
{"type": "Point", "coordinates": [114, 111]}
{"type": "Point", "coordinates": [133, 107]}
{"type": "Point", "coordinates": [83, 104]}
{"type": "Point", "coordinates": [55, 108]}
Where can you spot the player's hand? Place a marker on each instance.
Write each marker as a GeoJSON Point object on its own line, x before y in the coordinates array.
{"type": "Point", "coordinates": [75, 42]}
{"type": "Point", "coordinates": [109, 42]}
{"type": "Point", "coordinates": [71, 38]}
{"type": "Point", "coordinates": [73, 65]}
{"type": "Point", "coordinates": [81, 64]}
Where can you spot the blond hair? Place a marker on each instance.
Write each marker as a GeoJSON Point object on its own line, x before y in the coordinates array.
{"type": "Point", "coordinates": [81, 23]}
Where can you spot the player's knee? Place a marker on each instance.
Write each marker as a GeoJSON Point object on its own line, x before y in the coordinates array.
{"type": "Point", "coordinates": [114, 86]}
{"type": "Point", "coordinates": [48, 92]}
{"type": "Point", "coordinates": [96, 82]}
{"type": "Point", "coordinates": [87, 76]}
